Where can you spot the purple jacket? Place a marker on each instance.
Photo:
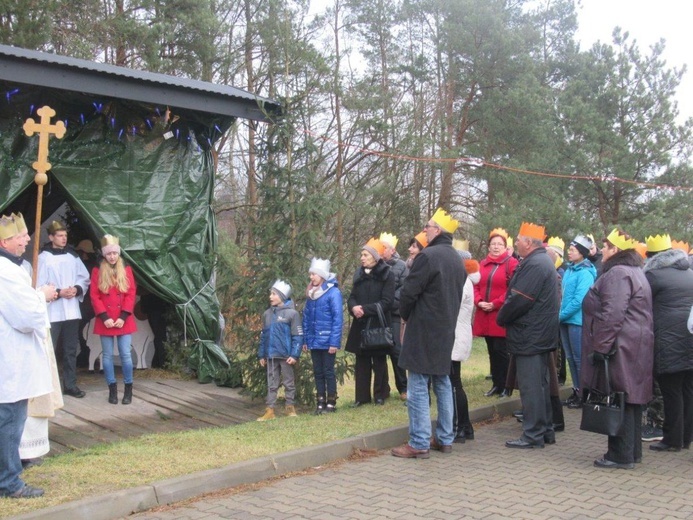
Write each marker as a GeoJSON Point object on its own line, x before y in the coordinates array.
{"type": "Point", "coordinates": [617, 314]}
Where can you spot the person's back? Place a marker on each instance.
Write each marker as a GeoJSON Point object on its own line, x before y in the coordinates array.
{"type": "Point", "coordinates": [430, 303]}
{"type": "Point", "coordinates": [671, 282]}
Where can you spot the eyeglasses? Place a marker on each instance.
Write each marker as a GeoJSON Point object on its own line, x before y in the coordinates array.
{"type": "Point", "coordinates": [427, 226]}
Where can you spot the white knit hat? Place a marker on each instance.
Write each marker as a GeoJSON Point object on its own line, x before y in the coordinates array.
{"type": "Point", "coordinates": [282, 289]}
{"type": "Point", "coordinates": [320, 267]}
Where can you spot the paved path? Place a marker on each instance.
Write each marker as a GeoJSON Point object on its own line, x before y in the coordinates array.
{"type": "Point", "coordinates": [480, 479]}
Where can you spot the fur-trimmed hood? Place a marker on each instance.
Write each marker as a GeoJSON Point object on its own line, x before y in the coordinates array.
{"type": "Point", "coordinates": [670, 258]}
{"type": "Point", "coordinates": [628, 257]}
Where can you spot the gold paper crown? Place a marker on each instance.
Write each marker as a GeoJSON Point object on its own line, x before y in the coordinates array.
{"type": "Point", "coordinates": [683, 246]}
{"type": "Point", "coordinates": [19, 220]}
{"type": "Point", "coordinates": [110, 240]}
{"type": "Point", "coordinates": [527, 229]}
{"type": "Point", "coordinates": [499, 232]}
{"type": "Point", "coordinates": [460, 245]}
{"type": "Point", "coordinates": [55, 226]}
{"type": "Point", "coordinates": [445, 221]}
{"type": "Point", "coordinates": [658, 243]}
{"type": "Point", "coordinates": [557, 242]}
{"type": "Point", "coordinates": [619, 239]}
{"type": "Point", "coordinates": [389, 239]}
{"type": "Point", "coordinates": [641, 248]}
{"type": "Point", "coordinates": [8, 227]}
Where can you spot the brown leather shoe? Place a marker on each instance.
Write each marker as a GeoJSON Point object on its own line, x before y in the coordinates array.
{"type": "Point", "coordinates": [443, 448]}
{"type": "Point", "coordinates": [407, 452]}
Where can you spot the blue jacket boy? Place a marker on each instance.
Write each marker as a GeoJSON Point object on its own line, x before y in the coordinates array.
{"type": "Point", "coordinates": [282, 334]}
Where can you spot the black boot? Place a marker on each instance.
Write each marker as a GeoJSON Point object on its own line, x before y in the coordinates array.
{"type": "Point", "coordinates": [469, 432]}
{"type": "Point", "coordinates": [557, 409]}
{"type": "Point", "coordinates": [331, 404]}
{"type": "Point", "coordinates": [574, 401]}
{"type": "Point", "coordinates": [113, 393]}
{"type": "Point", "coordinates": [127, 396]}
{"type": "Point", "coordinates": [320, 408]}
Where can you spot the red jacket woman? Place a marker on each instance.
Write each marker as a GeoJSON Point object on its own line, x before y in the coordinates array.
{"type": "Point", "coordinates": [495, 275]}
{"type": "Point", "coordinates": [489, 294]}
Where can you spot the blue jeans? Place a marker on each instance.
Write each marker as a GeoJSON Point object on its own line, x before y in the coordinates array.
{"type": "Point", "coordinates": [419, 409]}
{"type": "Point", "coordinates": [12, 419]}
{"type": "Point", "coordinates": [571, 338]}
{"type": "Point", "coordinates": [323, 371]}
{"type": "Point", "coordinates": [124, 342]}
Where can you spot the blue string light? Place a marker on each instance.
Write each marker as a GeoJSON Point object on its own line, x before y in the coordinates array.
{"type": "Point", "coordinates": [120, 134]}
{"type": "Point", "coordinates": [11, 93]}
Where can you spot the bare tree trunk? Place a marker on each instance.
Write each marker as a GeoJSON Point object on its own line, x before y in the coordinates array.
{"type": "Point", "coordinates": [251, 195]}
{"type": "Point", "coordinates": [339, 169]}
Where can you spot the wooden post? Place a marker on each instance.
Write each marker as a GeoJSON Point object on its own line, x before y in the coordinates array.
{"type": "Point", "coordinates": [44, 129]}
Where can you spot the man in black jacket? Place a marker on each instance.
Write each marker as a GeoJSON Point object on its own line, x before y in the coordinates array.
{"type": "Point", "coordinates": [530, 316]}
{"type": "Point", "coordinates": [429, 304]}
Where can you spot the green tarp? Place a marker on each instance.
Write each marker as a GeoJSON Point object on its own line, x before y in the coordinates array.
{"type": "Point", "coordinates": [141, 174]}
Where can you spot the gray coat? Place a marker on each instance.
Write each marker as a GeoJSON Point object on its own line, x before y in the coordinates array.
{"type": "Point", "coordinates": [400, 271]}
{"type": "Point", "coordinates": [429, 303]}
{"type": "Point", "coordinates": [617, 314]}
{"type": "Point", "coordinates": [671, 281]}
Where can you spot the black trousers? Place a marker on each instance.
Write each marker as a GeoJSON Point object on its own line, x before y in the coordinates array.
{"type": "Point", "coordinates": [499, 358]}
{"type": "Point", "coordinates": [400, 373]}
{"type": "Point", "coordinates": [65, 335]}
{"type": "Point", "coordinates": [627, 448]}
{"type": "Point", "coordinates": [365, 365]}
{"type": "Point", "coordinates": [677, 393]}
{"type": "Point", "coordinates": [460, 420]}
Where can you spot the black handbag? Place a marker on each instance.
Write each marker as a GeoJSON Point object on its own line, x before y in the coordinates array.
{"type": "Point", "coordinates": [377, 334]}
{"type": "Point", "coordinates": [603, 412]}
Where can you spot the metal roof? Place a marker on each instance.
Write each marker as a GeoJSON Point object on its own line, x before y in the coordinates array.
{"type": "Point", "coordinates": [62, 72]}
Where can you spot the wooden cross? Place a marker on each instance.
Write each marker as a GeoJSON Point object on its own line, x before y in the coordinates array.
{"type": "Point", "coordinates": [44, 130]}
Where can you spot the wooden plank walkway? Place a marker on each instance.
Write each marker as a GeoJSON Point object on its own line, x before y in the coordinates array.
{"type": "Point", "coordinates": [158, 405]}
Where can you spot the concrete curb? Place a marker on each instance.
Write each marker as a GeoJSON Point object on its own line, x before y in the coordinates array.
{"type": "Point", "coordinates": [127, 501]}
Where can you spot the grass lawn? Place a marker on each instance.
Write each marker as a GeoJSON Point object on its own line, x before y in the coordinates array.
{"type": "Point", "coordinates": [151, 458]}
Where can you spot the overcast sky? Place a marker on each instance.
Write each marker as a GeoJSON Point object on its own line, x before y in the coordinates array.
{"type": "Point", "coordinates": [646, 21]}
